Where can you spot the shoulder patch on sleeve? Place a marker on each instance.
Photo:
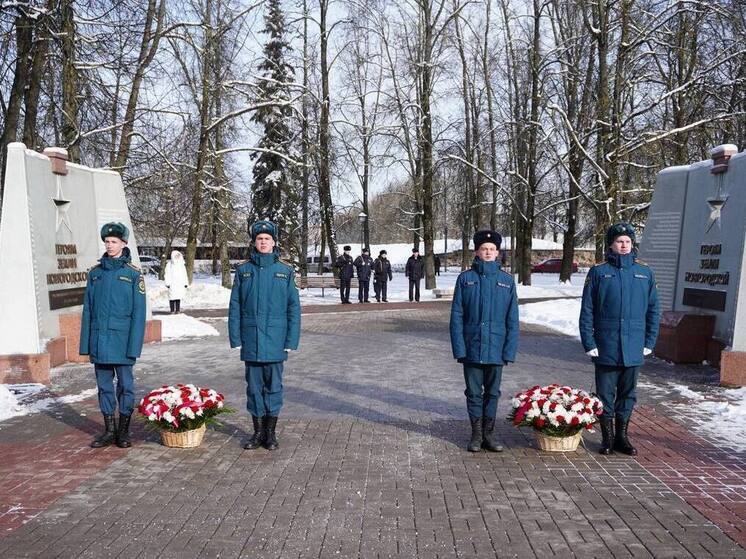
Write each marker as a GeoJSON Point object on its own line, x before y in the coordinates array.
{"type": "Point", "coordinates": [141, 285]}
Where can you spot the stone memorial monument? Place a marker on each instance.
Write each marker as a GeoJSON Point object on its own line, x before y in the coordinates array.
{"type": "Point", "coordinates": [49, 239]}
{"type": "Point", "coordinates": [694, 240]}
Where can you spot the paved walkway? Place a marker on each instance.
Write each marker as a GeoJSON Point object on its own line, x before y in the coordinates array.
{"type": "Point", "coordinates": [371, 463]}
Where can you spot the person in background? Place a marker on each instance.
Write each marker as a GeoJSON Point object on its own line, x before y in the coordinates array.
{"type": "Point", "coordinates": [176, 280]}
{"type": "Point", "coordinates": [346, 271]}
{"type": "Point", "coordinates": [112, 331]}
{"type": "Point", "coordinates": [381, 276]}
{"type": "Point", "coordinates": [618, 323]}
{"type": "Point", "coordinates": [436, 262]}
{"type": "Point", "coordinates": [364, 267]}
{"type": "Point", "coordinates": [264, 321]}
{"type": "Point", "coordinates": [415, 271]}
{"type": "Point", "coordinates": [484, 335]}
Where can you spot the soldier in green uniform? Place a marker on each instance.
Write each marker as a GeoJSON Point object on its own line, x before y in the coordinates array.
{"type": "Point", "coordinates": [112, 331]}
{"type": "Point", "coordinates": [264, 320]}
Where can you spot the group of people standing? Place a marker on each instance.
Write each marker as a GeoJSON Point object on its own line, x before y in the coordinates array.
{"type": "Point", "coordinates": [365, 268]}
{"type": "Point", "coordinates": [618, 325]}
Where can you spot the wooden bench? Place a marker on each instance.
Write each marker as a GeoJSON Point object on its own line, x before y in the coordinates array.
{"type": "Point", "coordinates": [443, 293]}
{"type": "Point", "coordinates": [323, 283]}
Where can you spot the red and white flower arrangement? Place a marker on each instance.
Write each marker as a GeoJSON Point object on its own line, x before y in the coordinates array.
{"type": "Point", "coordinates": [556, 411]}
{"type": "Point", "coordinates": [182, 407]}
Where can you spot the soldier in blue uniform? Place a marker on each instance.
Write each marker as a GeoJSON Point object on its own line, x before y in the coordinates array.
{"type": "Point", "coordinates": [264, 320]}
{"type": "Point", "coordinates": [346, 272]}
{"type": "Point", "coordinates": [112, 331]}
{"type": "Point", "coordinates": [484, 335]}
{"type": "Point", "coordinates": [364, 267]}
{"type": "Point", "coordinates": [618, 327]}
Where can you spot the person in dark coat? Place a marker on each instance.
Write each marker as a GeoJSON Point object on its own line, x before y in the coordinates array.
{"type": "Point", "coordinates": [112, 331]}
{"type": "Point", "coordinates": [415, 271]}
{"type": "Point", "coordinates": [364, 267]}
{"type": "Point", "coordinates": [381, 276]}
{"type": "Point", "coordinates": [264, 321]}
{"type": "Point", "coordinates": [484, 335]}
{"type": "Point", "coordinates": [618, 324]}
{"type": "Point", "coordinates": [346, 269]}
{"type": "Point", "coordinates": [436, 262]}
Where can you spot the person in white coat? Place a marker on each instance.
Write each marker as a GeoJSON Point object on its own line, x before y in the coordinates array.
{"type": "Point", "coordinates": [176, 281]}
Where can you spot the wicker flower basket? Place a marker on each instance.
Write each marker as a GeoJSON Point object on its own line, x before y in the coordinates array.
{"type": "Point", "coordinates": [558, 444]}
{"type": "Point", "coordinates": [185, 439]}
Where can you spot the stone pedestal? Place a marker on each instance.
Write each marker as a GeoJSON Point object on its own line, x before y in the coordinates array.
{"type": "Point", "coordinates": [684, 338]}
{"type": "Point", "coordinates": [733, 368]}
{"type": "Point", "coordinates": [35, 367]}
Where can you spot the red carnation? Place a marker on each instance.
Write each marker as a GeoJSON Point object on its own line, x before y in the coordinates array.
{"type": "Point", "coordinates": [560, 419]}
{"type": "Point", "coordinates": [540, 422]}
{"type": "Point", "coordinates": [553, 406]}
{"type": "Point", "coordinates": [575, 421]}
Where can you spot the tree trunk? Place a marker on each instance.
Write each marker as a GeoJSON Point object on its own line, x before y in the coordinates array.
{"type": "Point", "coordinates": [24, 36]}
{"type": "Point", "coordinates": [325, 191]}
{"type": "Point", "coordinates": [204, 136]}
{"type": "Point", "coordinates": [148, 48]}
{"type": "Point", "coordinates": [70, 104]}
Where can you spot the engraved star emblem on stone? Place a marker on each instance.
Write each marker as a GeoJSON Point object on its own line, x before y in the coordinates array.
{"type": "Point", "coordinates": [716, 207]}
{"type": "Point", "coordinates": [62, 205]}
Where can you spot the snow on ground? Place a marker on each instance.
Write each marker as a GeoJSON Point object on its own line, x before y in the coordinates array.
{"type": "Point", "coordinates": [17, 399]}
{"type": "Point", "coordinates": [560, 315]}
{"type": "Point", "coordinates": [174, 326]}
{"type": "Point", "coordinates": [717, 413]}
{"type": "Point", "coordinates": [207, 293]}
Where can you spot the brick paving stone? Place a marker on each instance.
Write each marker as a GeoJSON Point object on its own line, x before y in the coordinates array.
{"type": "Point", "coordinates": [371, 464]}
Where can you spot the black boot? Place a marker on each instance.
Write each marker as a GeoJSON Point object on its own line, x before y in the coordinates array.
{"type": "Point", "coordinates": [621, 442]}
{"type": "Point", "coordinates": [123, 431]}
{"type": "Point", "coordinates": [270, 440]}
{"type": "Point", "coordinates": [607, 434]}
{"type": "Point", "coordinates": [489, 442]}
{"type": "Point", "coordinates": [475, 443]}
{"type": "Point", "coordinates": [257, 439]}
{"type": "Point", "coordinates": [109, 435]}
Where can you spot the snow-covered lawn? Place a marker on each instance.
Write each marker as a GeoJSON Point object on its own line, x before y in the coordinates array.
{"type": "Point", "coordinates": [174, 326]}
{"type": "Point", "coordinates": [207, 293]}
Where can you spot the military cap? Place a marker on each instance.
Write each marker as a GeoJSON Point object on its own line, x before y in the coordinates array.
{"type": "Point", "coordinates": [415, 251]}
{"type": "Point", "coordinates": [263, 226]}
{"type": "Point", "coordinates": [487, 236]}
{"type": "Point", "coordinates": [366, 250]}
{"type": "Point", "coordinates": [382, 252]}
{"type": "Point", "coordinates": [347, 247]}
{"type": "Point", "coordinates": [115, 229]}
{"type": "Point", "coordinates": [619, 229]}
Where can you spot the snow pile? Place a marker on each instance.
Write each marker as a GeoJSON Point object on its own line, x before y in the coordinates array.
{"type": "Point", "coordinates": [9, 406]}
{"type": "Point", "coordinates": [174, 326]}
{"type": "Point", "coordinates": [14, 399]}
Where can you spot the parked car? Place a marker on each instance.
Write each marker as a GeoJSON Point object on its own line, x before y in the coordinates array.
{"type": "Point", "coordinates": [150, 264]}
{"type": "Point", "coordinates": [551, 266]}
{"type": "Point", "coordinates": [313, 263]}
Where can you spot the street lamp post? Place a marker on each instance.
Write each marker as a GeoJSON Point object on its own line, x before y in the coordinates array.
{"type": "Point", "coordinates": [362, 217]}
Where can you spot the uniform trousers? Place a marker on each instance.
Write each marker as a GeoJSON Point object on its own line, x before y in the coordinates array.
{"type": "Point", "coordinates": [264, 388]}
{"type": "Point", "coordinates": [124, 393]}
{"type": "Point", "coordinates": [482, 389]}
{"type": "Point", "coordinates": [617, 388]}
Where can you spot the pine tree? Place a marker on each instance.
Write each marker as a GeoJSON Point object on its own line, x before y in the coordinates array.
{"type": "Point", "coordinates": [275, 188]}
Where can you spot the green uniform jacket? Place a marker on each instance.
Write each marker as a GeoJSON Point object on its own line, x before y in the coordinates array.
{"type": "Point", "coordinates": [112, 328]}
{"type": "Point", "coordinates": [264, 312]}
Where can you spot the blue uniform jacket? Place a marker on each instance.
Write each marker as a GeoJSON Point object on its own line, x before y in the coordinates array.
{"type": "Point", "coordinates": [620, 312]}
{"type": "Point", "coordinates": [484, 315]}
{"type": "Point", "coordinates": [112, 328]}
{"type": "Point", "coordinates": [264, 312]}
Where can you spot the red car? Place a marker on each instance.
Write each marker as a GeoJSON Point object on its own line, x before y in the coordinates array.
{"type": "Point", "coordinates": [551, 266]}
